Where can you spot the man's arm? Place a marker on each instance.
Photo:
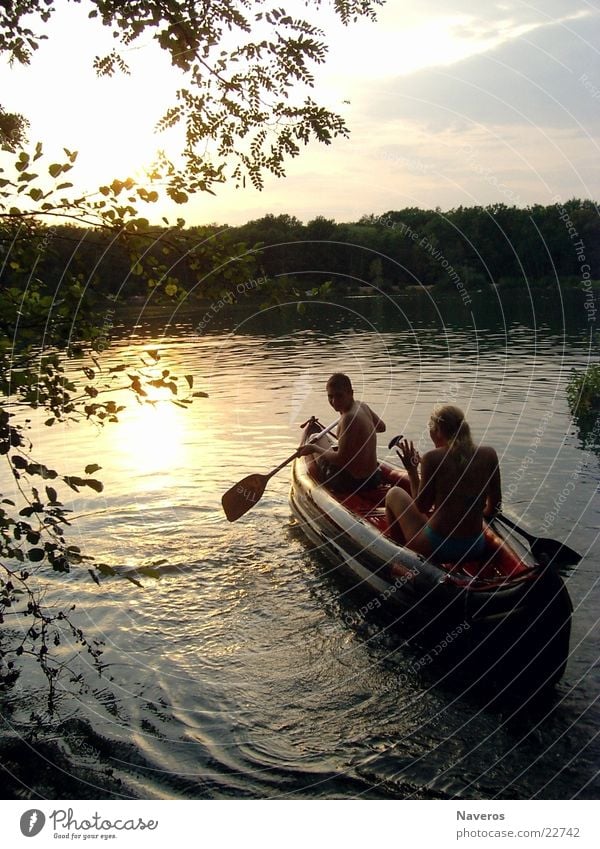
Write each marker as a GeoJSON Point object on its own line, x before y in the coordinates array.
{"type": "Point", "coordinates": [377, 422]}
{"type": "Point", "coordinates": [346, 447]}
{"type": "Point", "coordinates": [341, 455]}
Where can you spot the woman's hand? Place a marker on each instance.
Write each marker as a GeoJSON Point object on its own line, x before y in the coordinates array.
{"type": "Point", "coordinates": [409, 455]}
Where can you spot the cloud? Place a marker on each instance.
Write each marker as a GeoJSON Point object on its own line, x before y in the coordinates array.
{"type": "Point", "coordinates": [547, 78]}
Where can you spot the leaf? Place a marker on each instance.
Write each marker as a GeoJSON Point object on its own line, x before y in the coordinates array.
{"type": "Point", "coordinates": [74, 556]}
{"type": "Point", "coordinates": [190, 380]}
{"type": "Point", "coordinates": [61, 564]}
{"type": "Point", "coordinates": [55, 169]}
{"type": "Point", "coordinates": [105, 569]}
{"type": "Point", "coordinates": [200, 395]}
{"type": "Point", "coordinates": [43, 471]}
{"type": "Point", "coordinates": [94, 577]}
{"type": "Point", "coordinates": [19, 462]}
{"type": "Point", "coordinates": [134, 581]}
{"type": "Point", "coordinates": [51, 494]}
{"type": "Point", "coordinates": [98, 486]}
{"type": "Point", "coordinates": [74, 482]}
{"type": "Point", "coordinates": [93, 467]}
{"type": "Point", "coordinates": [149, 572]}
{"type": "Point", "coordinates": [35, 554]}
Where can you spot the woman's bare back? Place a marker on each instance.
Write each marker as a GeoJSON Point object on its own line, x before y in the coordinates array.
{"type": "Point", "coordinates": [463, 489]}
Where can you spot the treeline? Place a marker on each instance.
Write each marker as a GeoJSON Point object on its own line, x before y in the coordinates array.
{"type": "Point", "coordinates": [467, 247]}
{"type": "Point", "coordinates": [473, 246]}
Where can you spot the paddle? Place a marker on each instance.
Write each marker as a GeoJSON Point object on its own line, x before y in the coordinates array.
{"type": "Point", "coordinates": [247, 492]}
{"type": "Point", "coordinates": [395, 440]}
{"type": "Point", "coordinates": [547, 550]}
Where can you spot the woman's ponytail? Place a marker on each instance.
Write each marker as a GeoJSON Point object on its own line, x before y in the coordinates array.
{"type": "Point", "coordinates": [451, 421]}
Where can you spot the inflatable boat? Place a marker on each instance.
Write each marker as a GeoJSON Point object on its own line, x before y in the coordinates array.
{"type": "Point", "coordinates": [507, 600]}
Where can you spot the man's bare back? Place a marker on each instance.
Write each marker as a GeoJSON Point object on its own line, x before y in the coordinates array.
{"type": "Point", "coordinates": [356, 452]}
{"type": "Point", "coordinates": [357, 440]}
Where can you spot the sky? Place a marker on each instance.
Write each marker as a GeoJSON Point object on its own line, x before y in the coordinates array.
{"type": "Point", "coordinates": [448, 102]}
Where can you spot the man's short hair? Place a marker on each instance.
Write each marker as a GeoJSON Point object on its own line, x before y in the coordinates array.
{"type": "Point", "coordinates": [340, 381]}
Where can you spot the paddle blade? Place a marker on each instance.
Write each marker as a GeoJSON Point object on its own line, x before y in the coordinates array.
{"type": "Point", "coordinates": [243, 496]}
{"type": "Point", "coordinates": [547, 551]}
{"type": "Point", "coordinates": [552, 551]}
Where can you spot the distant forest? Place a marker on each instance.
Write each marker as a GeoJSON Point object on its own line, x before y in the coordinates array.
{"type": "Point", "coordinates": [465, 248]}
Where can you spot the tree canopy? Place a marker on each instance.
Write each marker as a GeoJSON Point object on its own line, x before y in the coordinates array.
{"type": "Point", "coordinates": [247, 72]}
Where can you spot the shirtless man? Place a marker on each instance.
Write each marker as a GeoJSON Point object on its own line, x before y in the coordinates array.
{"type": "Point", "coordinates": [353, 463]}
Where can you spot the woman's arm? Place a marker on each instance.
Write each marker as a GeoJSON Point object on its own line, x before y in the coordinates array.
{"type": "Point", "coordinates": [425, 498]}
{"type": "Point", "coordinates": [410, 458]}
{"type": "Point", "coordinates": [493, 501]}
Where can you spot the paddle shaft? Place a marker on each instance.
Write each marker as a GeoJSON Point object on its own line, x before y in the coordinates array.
{"type": "Point", "coordinates": [543, 547]}
{"type": "Point", "coordinates": [513, 525]}
{"type": "Point", "coordinates": [293, 456]}
{"type": "Point", "coordinates": [246, 493]}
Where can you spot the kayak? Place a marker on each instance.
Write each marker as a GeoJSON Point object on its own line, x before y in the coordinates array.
{"type": "Point", "coordinates": [506, 601]}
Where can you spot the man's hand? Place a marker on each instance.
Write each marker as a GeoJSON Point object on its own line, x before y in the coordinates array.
{"type": "Point", "coordinates": [307, 449]}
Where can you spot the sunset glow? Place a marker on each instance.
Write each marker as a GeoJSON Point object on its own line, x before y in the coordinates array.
{"type": "Point", "coordinates": [415, 88]}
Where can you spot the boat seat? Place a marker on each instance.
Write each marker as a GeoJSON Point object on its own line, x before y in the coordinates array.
{"type": "Point", "coordinates": [371, 501]}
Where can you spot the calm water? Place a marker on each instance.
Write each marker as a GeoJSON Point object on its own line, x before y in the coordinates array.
{"type": "Point", "coordinates": [247, 670]}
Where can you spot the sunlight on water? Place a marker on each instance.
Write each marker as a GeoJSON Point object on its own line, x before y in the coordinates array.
{"type": "Point", "coordinates": [150, 440]}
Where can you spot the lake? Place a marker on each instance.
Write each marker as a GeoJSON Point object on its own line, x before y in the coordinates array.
{"type": "Point", "coordinates": [246, 670]}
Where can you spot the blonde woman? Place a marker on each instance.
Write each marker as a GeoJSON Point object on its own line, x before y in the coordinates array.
{"type": "Point", "coordinates": [459, 480]}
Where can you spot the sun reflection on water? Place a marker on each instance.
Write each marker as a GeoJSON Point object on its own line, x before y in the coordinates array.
{"type": "Point", "coordinates": [151, 438]}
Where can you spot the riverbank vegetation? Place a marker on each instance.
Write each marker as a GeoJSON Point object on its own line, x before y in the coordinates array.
{"type": "Point", "coordinates": [472, 247]}
{"type": "Point", "coordinates": [583, 395]}
{"type": "Point", "coordinates": [464, 249]}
